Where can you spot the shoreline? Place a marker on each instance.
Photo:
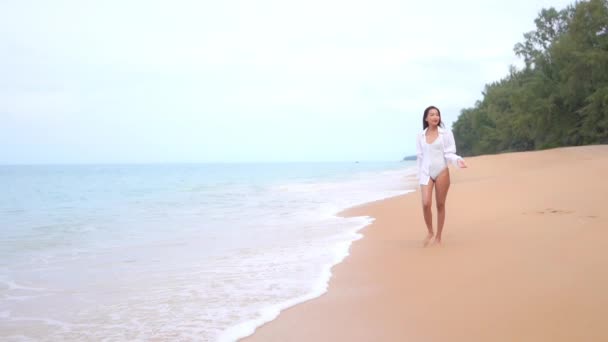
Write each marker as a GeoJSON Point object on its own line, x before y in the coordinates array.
{"type": "Point", "coordinates": [342, 251]}
{"type": "Point", "coordinates": [270, 313]}
{"type": "Point", "coordinates": [511, 267]}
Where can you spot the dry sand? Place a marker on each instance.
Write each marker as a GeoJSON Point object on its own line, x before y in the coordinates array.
{"type": "Point", "coordinates": [524, 258]}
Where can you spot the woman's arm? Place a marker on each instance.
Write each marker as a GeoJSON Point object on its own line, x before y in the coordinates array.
{"type": "Point", "coordinates": [449, 150]}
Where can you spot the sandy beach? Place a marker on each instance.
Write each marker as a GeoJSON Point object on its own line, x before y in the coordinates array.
{"type": "Point", "coordinates": [524, 258]}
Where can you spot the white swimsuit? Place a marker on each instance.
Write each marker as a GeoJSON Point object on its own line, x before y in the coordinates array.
{"type": "Point", "coordinates": [437, 158]}
{"type": "Point", "coordinates": [432, 158]}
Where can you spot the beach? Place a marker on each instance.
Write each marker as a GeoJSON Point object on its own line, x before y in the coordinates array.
{"type": "Point", "coordinates": [524, 258]}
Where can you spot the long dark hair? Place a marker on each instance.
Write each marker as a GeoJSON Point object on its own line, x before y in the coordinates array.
{"type": "Point", "coordinates": [426, 113]}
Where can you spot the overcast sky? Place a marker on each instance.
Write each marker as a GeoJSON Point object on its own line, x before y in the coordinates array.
{"type": "Point", "coordinates": [243, 81]}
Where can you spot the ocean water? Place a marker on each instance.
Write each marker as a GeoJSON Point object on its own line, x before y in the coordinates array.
{"type": "Point", "coordinates": [182, 252]}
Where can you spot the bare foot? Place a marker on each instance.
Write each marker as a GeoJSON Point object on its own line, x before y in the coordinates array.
{"type": "Point", "coordinates": [437, 241]}
{"type": "Point", "coordinates": [428, 238]}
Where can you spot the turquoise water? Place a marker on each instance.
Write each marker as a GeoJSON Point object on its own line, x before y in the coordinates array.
{"type": "Point", "coordinates": [186, 251]}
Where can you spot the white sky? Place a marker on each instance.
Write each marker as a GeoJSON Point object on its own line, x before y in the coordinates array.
{"type": "Point", "coordinates": [242, 81]}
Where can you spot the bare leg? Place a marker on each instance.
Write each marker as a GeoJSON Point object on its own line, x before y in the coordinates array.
{"type": "Point", "coordinates": [442, 185]}
{"type": "Point", "coordinates": [427, 198]}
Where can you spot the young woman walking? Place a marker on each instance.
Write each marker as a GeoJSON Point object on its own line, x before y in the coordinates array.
{"type": "Point", "coordinates": [435, 148]}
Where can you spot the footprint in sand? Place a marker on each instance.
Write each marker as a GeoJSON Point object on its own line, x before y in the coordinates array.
{"type": "Point", "coordinates": [560, 212]}
{"type": "Point", "coordinates": [553, 211]}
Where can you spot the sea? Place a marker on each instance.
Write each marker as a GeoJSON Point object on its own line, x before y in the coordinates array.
{"type": "Point", "coordinates": [176, 252]}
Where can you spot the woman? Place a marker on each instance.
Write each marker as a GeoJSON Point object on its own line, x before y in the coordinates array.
{"type": "Point", "coordinates": [435, 147]}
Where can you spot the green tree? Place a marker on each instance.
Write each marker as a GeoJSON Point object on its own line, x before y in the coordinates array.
{"type": "Point", "coordinates": [559, 98]}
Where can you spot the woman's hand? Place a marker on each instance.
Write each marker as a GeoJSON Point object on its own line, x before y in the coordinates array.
{"type": "Point", "coordinates": [461, 163]}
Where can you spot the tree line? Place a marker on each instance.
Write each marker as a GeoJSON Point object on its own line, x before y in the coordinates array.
{"type": "Point", "coordinates": [560, 96]}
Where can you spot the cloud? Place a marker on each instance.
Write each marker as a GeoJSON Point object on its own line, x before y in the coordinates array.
{"type": "Point", "coordinates": [226, 80]}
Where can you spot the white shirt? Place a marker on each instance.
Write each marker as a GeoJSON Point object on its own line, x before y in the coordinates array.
{"type": "Point", "coordinates": [422, 152]}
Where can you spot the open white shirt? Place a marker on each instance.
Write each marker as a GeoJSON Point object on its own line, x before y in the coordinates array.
{"type": "Point", "coordinates": [422, 153]}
